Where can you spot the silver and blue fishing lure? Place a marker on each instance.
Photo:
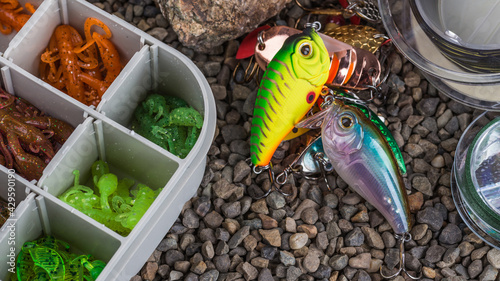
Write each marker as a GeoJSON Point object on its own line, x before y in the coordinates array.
{"type": "Point", "coordinates": [365, 155]}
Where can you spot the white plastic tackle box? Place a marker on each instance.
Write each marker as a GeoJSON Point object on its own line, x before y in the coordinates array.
{"type": "Point", "coordinates": [102, 133]}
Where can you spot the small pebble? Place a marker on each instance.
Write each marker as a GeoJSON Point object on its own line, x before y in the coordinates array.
{"type": "Point", "coordinates": [434, 253]}
{"type": "Point", "coordinates": [309, 215]}
{"type": "Point", "coordinates": [354, 238]}
{"type": "Point", "coordinates": [490, 273]}
{"type": "Point", "coordinates": [159, 33]}
{"type": "Point", "coordinates": [298, 240]}
{"type": "Point", "coordinates": [271, 237]}
{"type": "Point", "coordinates": [287, 258]}
{"type": "Point", "coordinates": [452, 234]}
{"type": "Point", "coordinates": [268, 252]}
{"type": "Point", "coordinates": [311, 262]}
{"type": "Point", "coordinates": [338, 262]}
{"type": "Point", "coordinates": [431, 217]}
{"type": "Point", "coordinates": [475, 268]}
{"type": "Point", "coordinates": [361, 261]}
{"type": "Point", "coordinates": [493, 257]}
{"type": "Point", "coordinates": [259, 262]}
{"type": "Point", "coordinates": [428, 272]}
{"type": "Point", "coordinates": [427, 106]}
{"type": "Point", "coordinates": [373, 238]}
{"type": "Point", "coordinates": [418, 231]}
{"type": "Point", "coordinates": [248, 271]}
{"type": "Point", "coordinates": [289, 225]}
{"type": "Point", "coordinates": [265, 275]}
{"type": "Point", "coordinates": [293, 273]}
{"type": "Point", "coordinates": [415, 201]}
{"type": "Point", "coordinates": [238, 237]}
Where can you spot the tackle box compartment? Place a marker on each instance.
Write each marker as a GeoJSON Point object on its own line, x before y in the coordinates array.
{"type": "Point", "coordinates": [104, 133]}
{"type": "Point", "coordinates": [6, 39]}
{"type": "Point", "coordinates": [43, 215]}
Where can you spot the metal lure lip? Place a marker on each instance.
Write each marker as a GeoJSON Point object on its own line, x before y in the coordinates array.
{"type": "Point", "coordinates": [270, 41]}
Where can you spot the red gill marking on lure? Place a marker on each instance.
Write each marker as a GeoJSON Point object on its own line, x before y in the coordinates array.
{"type": "Point", "coordinates": [247, 46]}
{"type": "Point", "coordinates": [310, 97]}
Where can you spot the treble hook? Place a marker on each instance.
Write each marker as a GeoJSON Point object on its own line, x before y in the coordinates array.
{"type": "Point", "coordinates": [249, 74]}
{"type": "Point", "coordinates": [325, 166]}
{"type": "Point", "coordinates": [405, 237]}
{"type": "Point", "coordinates": [281, 178]}
{"type": "Point", "coordinates": [385, 50]}
{"type": "Point", "coordinates": [259, 169]}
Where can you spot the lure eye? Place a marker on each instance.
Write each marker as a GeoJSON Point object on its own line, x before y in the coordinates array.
{"type": "Point", "coordinates": [310, 97]}
{"type": "Point", "coordinates": [346, 122]}
{"type": "Point", "coordinates": [305, 49]}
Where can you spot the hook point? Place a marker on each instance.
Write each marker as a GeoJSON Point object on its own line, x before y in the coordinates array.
{"type": "Point", "coordinates": [405, 237]}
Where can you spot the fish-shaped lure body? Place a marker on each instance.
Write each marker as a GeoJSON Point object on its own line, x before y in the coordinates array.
{"type": "Point", "coordinates": [359, 149]}
{"type": "Point", "coordinates": [289, 88]}
{"type": "Point", "coordinates": [350, 67]}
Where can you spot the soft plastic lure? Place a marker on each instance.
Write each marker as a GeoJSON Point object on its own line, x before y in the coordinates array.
{"type": "Point", "coordinates": [50, 259]}
{"type": "Point", "coordinates": [366, 157]}
{"type": "Point", "coordinates": [168, 122]}
{"type": "Point", "coordinates": [290, 86]}
{"type": "Point", "coordinates": [110, 202]}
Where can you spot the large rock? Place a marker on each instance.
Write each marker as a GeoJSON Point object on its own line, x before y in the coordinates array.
{"type": "Point", "coordinates": [203, 25]}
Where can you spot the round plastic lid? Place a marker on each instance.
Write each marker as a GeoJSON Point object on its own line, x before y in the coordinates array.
{"type": "Point", "coordinates": [485, 166]}
{"type": "Point", "coordinates": [464, 22]}
{"type": "Point", "coordinates": [413, 40]}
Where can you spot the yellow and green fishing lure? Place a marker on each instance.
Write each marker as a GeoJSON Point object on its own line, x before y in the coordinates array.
{"type": "Point", "coordinates": [289, 88]}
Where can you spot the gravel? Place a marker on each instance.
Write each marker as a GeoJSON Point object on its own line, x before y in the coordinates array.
{"type": "Point", "coordinates": [317, 233]}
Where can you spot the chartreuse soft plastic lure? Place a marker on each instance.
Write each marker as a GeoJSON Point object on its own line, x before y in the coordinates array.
{"type": "Point", "coordinates": [289, 88]}
{"type": "Point", "coordinates": [117, 206]}
{"type": "Point", "coordinates": [50, 259]}
{"type": "Point", "coordinates": [364, 154]}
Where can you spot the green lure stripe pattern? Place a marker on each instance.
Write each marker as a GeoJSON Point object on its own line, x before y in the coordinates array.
{"type": "Point", "coordinates": [289, 88]}
{"type": "Point", "coordinates": [386, 133]}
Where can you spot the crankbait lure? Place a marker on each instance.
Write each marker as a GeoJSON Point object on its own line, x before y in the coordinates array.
{"type": "Point", "coordinates": [50, 259]}
{"type": "Point", "coordinates": [350, 67]}
{"type": "Point", "coordinates": [289, 88]}
{"type": "Point", "coordinates": [367, 158]}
